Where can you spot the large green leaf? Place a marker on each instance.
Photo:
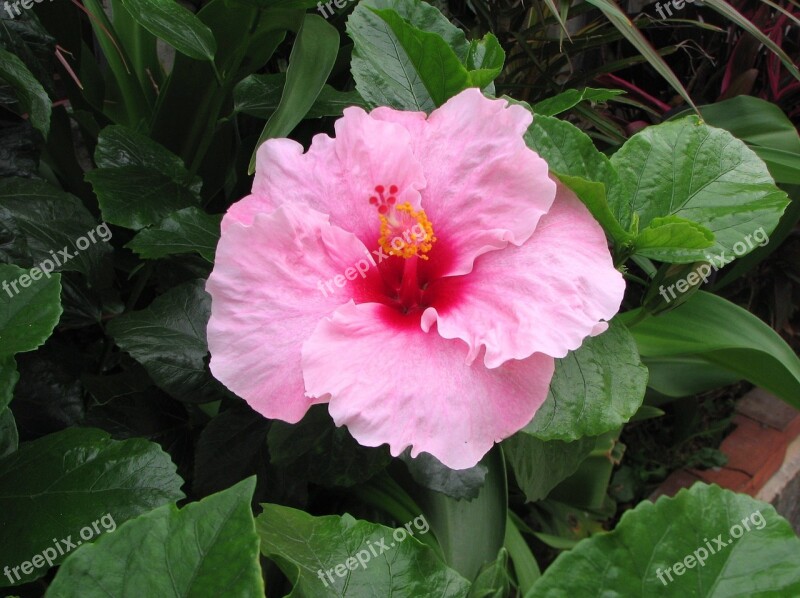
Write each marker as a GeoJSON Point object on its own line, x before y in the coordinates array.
{"type": "Point", "coordinates": [314, 449]}
{"type": "Point", "coordinates": [311, 61]}
{"type": "Point", "coordinates": [134, 196]}
{"type": "Point", "coordinates": [408, 56]}
{"type": "Point", "coordinates": [43, 221]}
{"type": "Point", "coordinates": [208, 548]}
{"type": "Point", "coordinates": [186, 231]}
{"type": "Point", "coordinates": [168, 20]}
{"type": "Point", "coordinates": [32, 95]}
{"type": "Point", "coordinates": [595, 389]}
{"type": "Point", "coordinates": [723, 333]}
{"type": "Point", "coordinates": [169, 339]}
{"type": "Point", "coordinates": [456, 522]}
{"type": "Point", "coordinates": [119, 146]}
{"type": "Point", "coordinates": [58, 485]}
{"type": "Point", "coordinates": [27, 317]}
{"type": "Point", "coordinates": [260, 96]}
{"type": "Point", "coordinates": [539, 466]}
{"type": "Point", "coordinates": [765, 128]}
{"type": "Point", "coordinates": [8, 379]}
{"type": "Point", "coordinates": [340, 556]}
{"type": "Point", "coordinates": [727, 545]}
{"type": "Point", "coordinates": [702, 174]}
{"type": "Point", "coordinates": [573, 158]}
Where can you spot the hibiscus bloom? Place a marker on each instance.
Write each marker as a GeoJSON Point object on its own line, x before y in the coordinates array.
{"type": "Point", "coordinates": [417, 273]}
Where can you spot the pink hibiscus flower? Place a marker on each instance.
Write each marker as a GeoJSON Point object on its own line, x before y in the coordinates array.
{"type": "Point", "coordinates": [417, 273]}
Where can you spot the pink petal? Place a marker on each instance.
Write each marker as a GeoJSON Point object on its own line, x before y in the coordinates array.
{"type": "Point", "coordinates": [485, 187]}
{"type": "Point", "coordinates": [543, 297]}
{"type": "Point", "coordinates": [389, 381]}
{"type": "Point", "coordinates": [266, 301]}
{"type": "Point", "coordinates": [337, 176]}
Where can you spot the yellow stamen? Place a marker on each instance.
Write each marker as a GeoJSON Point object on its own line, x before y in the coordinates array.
{"type": "Point", "coordinates": [406, 232]}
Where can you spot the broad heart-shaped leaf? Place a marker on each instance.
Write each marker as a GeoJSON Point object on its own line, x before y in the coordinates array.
{"type": "Point", "coordinates": [119, 146]}
{"type": "Point", "coordinates": [57, 485]}
{"type": "Point", "coordinates": [32, 96]}
{"type": "Point", "coordinates": [723, 333]}
{"type": "Point", "coordinates": [169, 339]}
{"type": "Point", "coordinates": [310, 63]}
{"type": "Point", "coordinates": [168, 20]}
{"type": "Point", "coordinates": [571, 98]}
{"type": "Point", "coordinates": [539, 466]}
{"type": "Point", "coordinates": [690, 170]}
{"type": "Point", "coordinates": [27, 318]}
{"type": "Point", "coordinates": [316, 450]}
{"type": "Point", "coordinates": [208, 548]}
{"type": "Point", "coordinates": [186, 231]}
{"type": "Point", "coordinates": [136, 196]}
{"type": "Point", "coordinates": [573, 158]}
{"type": "Point", "coordinates": [406, 55]}
{"type": "Point", "coordinates": [260, 95]}
{"type": "Point", "coordinates": [320, 556]}
{"type": "Point", "coordinates": [43, 220]}
{"type": "Point", "coordinates": [596, 388]}
{"type": "Point", "coordinates": [728, 545]}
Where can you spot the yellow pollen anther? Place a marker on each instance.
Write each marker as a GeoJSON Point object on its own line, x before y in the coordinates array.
{"type": "Point", "coordinates": [406, 232]}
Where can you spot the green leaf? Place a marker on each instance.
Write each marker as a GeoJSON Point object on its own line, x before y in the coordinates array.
{"type": "Point", "coordinates": [406, 55]}
{"type": "Point", "coordinates": [664, 235]}
{"type": "Point", "coordinates": [311, 61]}
{"type": "Point", "coordinates": [9, 376]}
{"type": "Point", "coordinates": [208, 548]}
{"type": "Point", "coordinates": [260, 96]}
{"type": "Point", "coordinates": [56, 486]}
{"type": "Point", "coordinates": [169, 339]}
{"type": "Point", "coordinates": [699, 173]}
{"type": "Point", "coordinates": [723, 333]}
{"type": "Point", "coordinates": [430, 473]}
{"type": "Point", "coordinates": [765, 129]}
{"type": "Point", "coordinates": [316, 450]}
{"type": "Point", "coordinates": [322, 556]}
{"type": "Point", "coordinates": [135, 196]}
{"type": "Point", "coordinates": [231, 447]}
{"type": "Point", "coordinates": [168, 20]}
{"type": "Point", "coordinates": [492, 581]}
{"type": "Point", "coordinates": [119, 146]}
{"type": "Point", "coordinates": [456, 522]}
{"type": "Point", "coordinates": [574, 159]}
{"type": "Point", "coordinates": [539, 466]}
{"type": "Point", "coordinates": [686, 376]}
{"type": "Point", "coordinates": [571, 98]}
{"type": "Point", "coordinates": [9, 437]}
{"type": "Point", "coordinates": [698, 529]}
{"type": "Point", "coordinates": [29, 317]}
{"type": "Point", "coordinates": [43, 221]}
{"type": "Point", "coordinates": [32, 96]}
{"type": "Point", "coordinates": [186, 231]}
{"type": "Point", "coordinates": [595, 389]}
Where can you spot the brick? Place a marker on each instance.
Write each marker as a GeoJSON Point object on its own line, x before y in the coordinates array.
{"type": "Point", "coordinates": [754, 449]}
{"type": "Point", "coordinates": [674, 482]}
{"type": "Point", "coordinates": [768, 409]}
{"type": "Point", "coordinates": [723, 477]}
